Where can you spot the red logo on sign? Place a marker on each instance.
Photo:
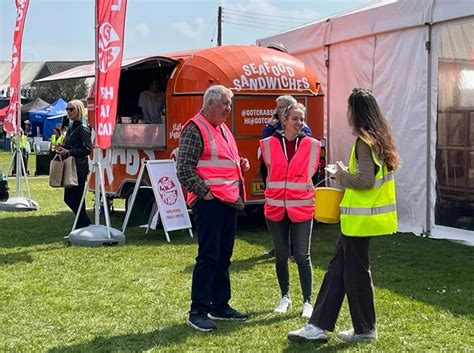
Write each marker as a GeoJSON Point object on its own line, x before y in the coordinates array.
{"type": "Point", "coordinates": [168, 191]}
{"type": "Point", "coordinates": [108, 53]}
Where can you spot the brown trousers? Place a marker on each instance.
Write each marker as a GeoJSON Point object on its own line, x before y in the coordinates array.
{"type": "Point", "coordinates": [348, 274]}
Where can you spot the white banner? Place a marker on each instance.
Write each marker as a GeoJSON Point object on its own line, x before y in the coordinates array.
{"type": "Point", "coordinates": [168, 194]}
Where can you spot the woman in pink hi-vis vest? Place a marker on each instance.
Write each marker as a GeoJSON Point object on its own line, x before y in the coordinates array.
{"type": "Point", "coordinates": [291, 159]}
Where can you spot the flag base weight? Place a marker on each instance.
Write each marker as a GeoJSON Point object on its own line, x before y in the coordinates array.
{"type": "Point", "coordinates": [95, 235]}
{"type": "Point", "coordinates": [18, 204]}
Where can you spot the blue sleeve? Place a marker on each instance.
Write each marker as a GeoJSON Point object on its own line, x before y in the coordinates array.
{"type": "Point", "coordinates": [268, 131]}
{"type": "Point", "coordinates": [306, 129]}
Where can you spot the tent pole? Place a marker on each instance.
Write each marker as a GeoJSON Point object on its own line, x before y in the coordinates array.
{"type": "Point", "coordinates": [328, 94]}
{"type": "Point", "coordinates": [427, 231]}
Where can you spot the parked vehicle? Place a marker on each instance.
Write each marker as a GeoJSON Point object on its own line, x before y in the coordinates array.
{"type": "Point", "coordinates": [256, 75]}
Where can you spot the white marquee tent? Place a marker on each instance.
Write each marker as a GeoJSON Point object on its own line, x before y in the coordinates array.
{"type": "Point", "coordinates": [418, 58]}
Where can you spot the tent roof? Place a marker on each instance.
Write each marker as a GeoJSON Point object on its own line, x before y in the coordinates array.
{"type": "Point", "coordinates": [57, 108]}
{"type": "Point", "coordinates": [377, 17]}
{"type": "Point", "coordinates": [225, 65]}
{"type": "Point", "coordinates": [34, 106]}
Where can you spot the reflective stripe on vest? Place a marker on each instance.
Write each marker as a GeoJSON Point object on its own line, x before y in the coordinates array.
{"type": "Point", "coordinates": [373, 211]}
{"type": "Point", "coordinates": [219, 163]}
{"type": "Point", "coordinates": [289, 188]}
{"type": "Point", "coordinates": [289, 185]}
{"type": "Point", "coordinates": [289, 203]}
{"type": "Point", "coordinates": [365, 211]}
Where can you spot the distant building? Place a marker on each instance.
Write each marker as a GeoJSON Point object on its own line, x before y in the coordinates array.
{"type": "Point", "coordinates": [31, 71]}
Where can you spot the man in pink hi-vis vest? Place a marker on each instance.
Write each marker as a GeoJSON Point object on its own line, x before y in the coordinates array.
{"type": "Point", "coordinates": [211, 170]}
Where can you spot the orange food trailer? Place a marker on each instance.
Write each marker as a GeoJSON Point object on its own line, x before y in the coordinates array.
{"type": "Point", "coordinates": [256, 75]}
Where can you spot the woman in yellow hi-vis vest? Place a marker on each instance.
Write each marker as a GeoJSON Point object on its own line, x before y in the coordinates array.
{"type": "Point", "coordinates": [367, 209]}
{"type": "Point", "coordinates": [56, 139]}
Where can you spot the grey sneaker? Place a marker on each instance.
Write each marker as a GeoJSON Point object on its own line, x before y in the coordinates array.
{"type": "Point", "coordinates": [308, 333]}
{"type": "Point", "coordinates": [351, 336]}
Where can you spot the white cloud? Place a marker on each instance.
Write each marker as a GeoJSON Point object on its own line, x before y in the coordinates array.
{"type": "Point", "coordinates": [190, 29]}
{"type": "Point", "coordinates": [143, 29]}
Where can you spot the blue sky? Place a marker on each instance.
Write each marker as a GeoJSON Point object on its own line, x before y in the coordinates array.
{"type": "Point", "coordinates": [64, 29]}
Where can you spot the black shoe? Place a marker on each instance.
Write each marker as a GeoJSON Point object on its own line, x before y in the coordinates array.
{"type": "Point", "coordinates": [228, 314]}
{"type": "Point", "coordinates": [271, 253]}
{"type": "Point", "coordinates": [201, 322]}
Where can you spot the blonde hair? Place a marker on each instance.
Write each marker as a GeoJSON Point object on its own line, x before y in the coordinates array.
{"type": "Point", "coordinates": [295, 106]}
{"type": "Point", "coordinates": [79, 106]}
{"type": "Point", "coordinates": [368, 122]}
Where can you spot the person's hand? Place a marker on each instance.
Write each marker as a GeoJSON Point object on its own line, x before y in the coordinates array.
{"type": "Point", "coordinates": [273, 122]}
{"type": "Point", "coordinates": [208, 196]}
{"type": "Point", "coordinates": [341, 168]}
{"type": "Point", "coordinates": [64, 153]}
{"type": "Point", "coordinates": [244, 164]}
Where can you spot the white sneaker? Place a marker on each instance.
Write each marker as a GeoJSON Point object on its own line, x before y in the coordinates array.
{"type": "Point", "coordinates": [351, 336]}
{"type": "Point", "coordinates": [308, 333]}
{"type": "Point", "coordinates": [283, 305]}
{"type": "Point", "coordinates": [307, 310]}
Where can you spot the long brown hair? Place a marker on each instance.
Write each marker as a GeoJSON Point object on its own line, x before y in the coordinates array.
{"type": "Point", "coordinates": [368, 122]}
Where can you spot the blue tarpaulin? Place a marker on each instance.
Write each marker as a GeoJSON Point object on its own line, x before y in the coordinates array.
{"type": "Point", "coordinates": [47, 119]}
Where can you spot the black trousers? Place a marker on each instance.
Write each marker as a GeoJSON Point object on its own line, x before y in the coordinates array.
{"type": "Point", "coordinates": [216, 227]}
{"type": "Point", "coordinates": [72, 198]}
{"type": "Point", "coordinates": [348, 274]}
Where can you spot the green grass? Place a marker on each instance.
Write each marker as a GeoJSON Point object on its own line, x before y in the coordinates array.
{"type": "Point", "coordinates": [135, 297]}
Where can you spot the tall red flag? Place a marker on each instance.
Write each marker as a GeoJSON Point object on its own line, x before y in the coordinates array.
{"type": "Point", "coordinates": [11, 119]}
{"type": "Point", "coordinates": [110, 32]}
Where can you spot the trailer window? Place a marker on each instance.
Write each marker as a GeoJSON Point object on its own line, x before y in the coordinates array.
{"type": "Point", "coordinates": [141, 111]}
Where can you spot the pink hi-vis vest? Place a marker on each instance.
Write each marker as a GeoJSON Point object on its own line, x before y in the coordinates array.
{"type": "Point", "coordinates": [289, 186]}
{"type": "Point", "coordinates": [219, 164]}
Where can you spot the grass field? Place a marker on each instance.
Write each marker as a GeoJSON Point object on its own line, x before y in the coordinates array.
{"type": "Point", "coordinates": [135, 297]}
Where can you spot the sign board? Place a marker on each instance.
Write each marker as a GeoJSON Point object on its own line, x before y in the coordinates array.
{"type": "Point", "coordinates": [253, 113]}
{"type": "Point", "coordinates": [168, 196]}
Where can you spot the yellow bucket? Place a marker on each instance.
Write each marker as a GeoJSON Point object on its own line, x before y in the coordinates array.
{"type": "Point", "coordinates": [326, 206]}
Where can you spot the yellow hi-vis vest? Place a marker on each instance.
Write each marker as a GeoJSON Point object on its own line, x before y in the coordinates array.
{"type": "Point", "coordinates": [372, 211]}
{"type": "Point", "coordinates": [55, 141]}
{"type": "Point", "coordinates": [23, 142]}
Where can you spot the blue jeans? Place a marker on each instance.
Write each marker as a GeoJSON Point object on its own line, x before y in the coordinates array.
{"type": "Point", "coordinates": [216, 227]}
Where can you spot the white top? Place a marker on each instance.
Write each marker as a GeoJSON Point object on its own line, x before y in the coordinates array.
{"type": "Point", "coordinates": [151, 104]}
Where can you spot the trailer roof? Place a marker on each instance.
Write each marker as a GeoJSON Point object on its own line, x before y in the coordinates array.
{"type": "Point", "coordinates": [241, 68]}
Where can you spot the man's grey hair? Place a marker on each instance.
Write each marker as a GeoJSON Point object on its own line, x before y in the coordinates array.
{"type": "Point", "coordinates": [286, 100]}
{"type": "Point", "coordinates": [215, 93]}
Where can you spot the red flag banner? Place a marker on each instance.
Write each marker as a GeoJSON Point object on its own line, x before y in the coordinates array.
{"type": "Point", "coordinates": [110, 32]}
{"type": "Point", "coordinates": [11, 119]}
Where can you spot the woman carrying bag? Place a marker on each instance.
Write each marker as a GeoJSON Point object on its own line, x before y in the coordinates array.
{"type": "Point", "coordinates": [368, 209]}
{"type": "Point", "coordinates": [77, 143]}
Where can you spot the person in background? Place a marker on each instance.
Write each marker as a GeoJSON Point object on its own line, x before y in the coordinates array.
{"type": "Point", "coordinates": [152, 102]}
{"type": "Point", "coordinates": [291, 159]}
{"type": "Point", "coordinates": [55, 139]}
{"type": "Point", "coordinates": [77, 143]}
{"type": "Point", "coordinates": [275, 123]}
{"type": "Point", "coordinates": [27, 128]}
{"type": "Point", "coordinates": [368, 209]}
{"type": "Point", "coordinates": [211, 170]}
{"type": "Point", "coordinates": [23, 149]}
